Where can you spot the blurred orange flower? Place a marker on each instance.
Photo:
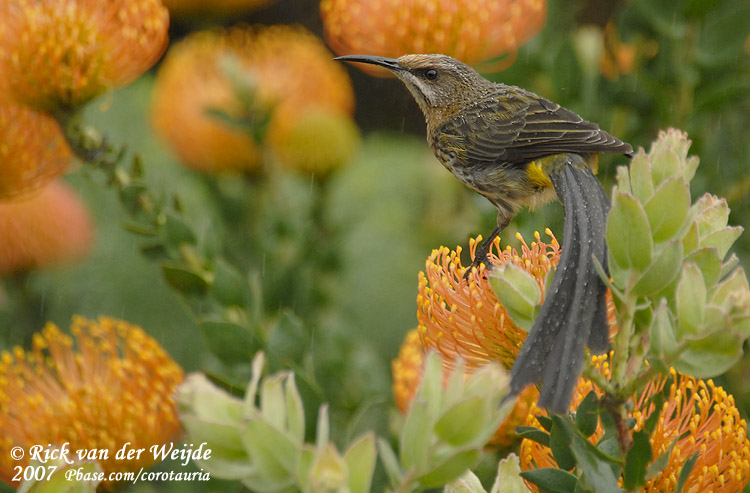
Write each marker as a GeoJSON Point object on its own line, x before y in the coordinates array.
{"type": "Point", "coordinates": [617, 58]}
{"type": "Point", "coordinates": [460, 318]}
{"type": "Point", "coordinates": [473, 31]}
{"type": "Point", "coordinates": [56, 55]}
{"type": "Point", "coordinates": [189, 83]}
{"type": "Point", "coordinates": [289, 71]}
{"type": "Point", "coordinates": [42, 229]}
{"type": "Point", "coordinates": [116, 386]}
{"type": "Point", "coordinates": [696, 416]}
{"type": "Point", "coordinates": [32, 149]}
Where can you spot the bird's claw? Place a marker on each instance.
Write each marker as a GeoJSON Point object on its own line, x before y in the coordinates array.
{"type": "Point", "coordinates": [476, 267]}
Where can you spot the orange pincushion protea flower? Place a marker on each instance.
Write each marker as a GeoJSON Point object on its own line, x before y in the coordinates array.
{"type": "Point", "coordinates": [59, 54]}
{"type": "Point", "coordinates": [407, 370]}
{"type": "Point", "coordinates": [460, 318]}
{"type": "Point", "coordinates": [291, 73]}
{"type": "Point", "coordinates": [472, 31]}
{"type": "Point", "coordinates": [116, 386]}
{"type": "Point", "coordinates": [43, 229]}
{"type": "Point", "coordinates": [32, 149]}
{"type": "Point", "coordinates": [700, 416]}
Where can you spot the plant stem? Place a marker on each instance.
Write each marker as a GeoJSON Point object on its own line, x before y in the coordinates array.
{"type": "Point", "coordinates": [621, 349]}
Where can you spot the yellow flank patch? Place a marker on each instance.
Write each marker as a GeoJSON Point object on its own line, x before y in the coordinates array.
{"type": "Point", "coordinates": [536, 174]}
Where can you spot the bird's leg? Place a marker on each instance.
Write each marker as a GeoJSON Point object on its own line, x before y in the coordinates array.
{"type": "Point", "coordinates": [480, 256]}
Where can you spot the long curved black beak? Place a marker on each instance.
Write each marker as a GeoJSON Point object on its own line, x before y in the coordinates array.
{"type": "Point", "coordinates": [389, 63]}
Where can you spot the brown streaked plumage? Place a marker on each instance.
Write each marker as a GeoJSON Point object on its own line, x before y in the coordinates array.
{"type": "Point", "coordinates": [518, 149]}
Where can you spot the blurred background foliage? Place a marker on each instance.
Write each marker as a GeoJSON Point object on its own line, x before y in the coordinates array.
{"type": "Point", "coordinates": [333, 260]}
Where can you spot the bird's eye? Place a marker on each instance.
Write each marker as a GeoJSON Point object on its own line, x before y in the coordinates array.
{"type": "Point", "coordinates": [431, 74]}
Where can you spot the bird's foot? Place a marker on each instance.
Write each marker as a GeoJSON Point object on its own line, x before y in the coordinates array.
{"type": "Point", "coordinates": [480, 266]}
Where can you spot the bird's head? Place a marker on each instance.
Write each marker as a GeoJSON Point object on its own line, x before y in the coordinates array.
{"type": "Point", "coordinates": [437, 82]}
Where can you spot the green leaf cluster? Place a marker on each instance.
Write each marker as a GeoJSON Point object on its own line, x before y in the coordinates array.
{"type": "Point", "coordinates": [260, 440]}
{"type": "Point", "coordinates": [446, 427]}
{"type": "Point", "coordinates": [671, 273]}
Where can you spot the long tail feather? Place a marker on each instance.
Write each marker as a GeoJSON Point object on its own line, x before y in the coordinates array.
{"type": "Point", "coordinates": [574, 313]}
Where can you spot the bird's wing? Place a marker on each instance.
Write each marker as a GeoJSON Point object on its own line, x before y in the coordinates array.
{"type": "Point", "coordinates": [519, 126]}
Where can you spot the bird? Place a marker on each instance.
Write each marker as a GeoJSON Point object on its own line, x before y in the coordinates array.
{"type": "Point", "coordinates": [518, 149]}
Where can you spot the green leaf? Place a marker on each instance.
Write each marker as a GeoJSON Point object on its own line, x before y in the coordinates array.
{"type": "Point", "coordinates": [463, 423]}
{"type": "Point", "coordinates": [736, 282]}
{"type": "Point", "coordinates": [360, 460]}
{"type": "Point", "coordinates": [597, 473]}
{"type": "Point", "coordinates": [722, 239]}
{"type": "Point", "coordinates": [691, 301]}
{"type": "Point", "coordinates": [416, 436]}
{"type": "Point", "coordinates": [534, 434]}
{"type": "Point", "coordinates": [587, 414]}
{"type": "Point", "coordinates": [709, 263]}
{"type": "Point", "coordinates": [451, 468]}
{"type": "Point", "coordinates": [304, 467]}
{"type": "Point", "coordinates": [551, 479]}
{"type": "Point", "coordinates": [711, 355]}
{"type": "Point", "coordinates": [636, 460]}
{"type": "Point", "coordinates": [662, 336]}
{"type": "Point", "coordinates": [130, 196]}
{"type": "Point", "coordinates": [519, 293]}
{"type": "Point", "coordinates": [295, 411]}
{"type": "Point", "coordinates": [229, 286]}
{"type": "Point", "coordinates": [662, 271]}
{"type": "Point", "coordinates": [230, 342]}
{"type": "Point", "coordinates": [390, 462]}
{"type": "Point", "coordinates": [273, 401]}
{"type": "Point", "coordinates": [431, 388]}
{"type": "Point", "coordinates": [711, 214]}
{"type": "Point", "coordinates": [177, 232]}
{"type": "Point", "coordinates": [182, 279]}
{"type": "Point", "coordinates": [272, 451]}
{"type": "Point", "coordinates": [154, 251]}
{"type": "Point", "coordinates": [136, 167]}
{"type": "Point", "coordinates": [728, 266]}
{"type": "Point", "coordinates": [288, 340]}
{"type": "Point", "coordinates": [468, 482]}
{"type": "Point", "coordinates": [328, 471]}
{"type": "Point", "coordinates": [687, 468]}
{"type": "Point", "coordinates": [559, 444]}
{"type": "Point", "coordinates": [456, 387]}
{"type": "Point", "coordinates": [322, 428]}
{"type": "Point", "coordinates": [609, 443]}
{"type": "Point", "coordinates": [508, 478]}
{"type": "Point", "coordinates": [691, 241]}
{"type": "Point", "coordinates": [668, 209]}
{"type": "Point", "coordinates": [628, 234]}
{"type": "Point", "coordinates": [139, 229]}
{"type": "Point", "coordinates": [623, 177]}
{"type": "Point", "coordinates": [665, 163]}
{"type": "Point", "coordinates": [545, 422]}
{"type": "Point", "coordinates": [229, 460]}
{"type": "Point", "coordinates": [640, 178]}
